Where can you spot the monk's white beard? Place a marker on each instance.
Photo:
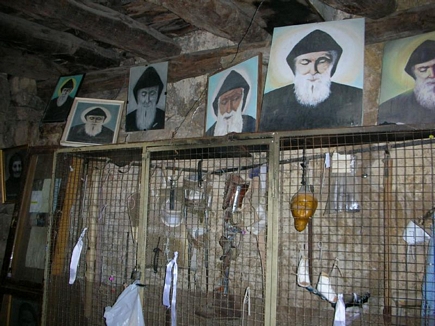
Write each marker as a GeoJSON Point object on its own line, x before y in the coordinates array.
{"type": "Point", "coordinates": [145, 117]}
{"type": "Point", "coordinates": [61, 100]}
{"type": "Point", "coordinates": [233, 124]}
{"type": "Point", "coordinates": [425, 93]}
{"type": "Point", "coordinates": [312, 93]}
{"type": "Point", "coordinates": [93, 130]}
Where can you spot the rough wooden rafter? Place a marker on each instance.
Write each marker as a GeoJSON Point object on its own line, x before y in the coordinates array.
{"type": "Point", "coordinates": [103, 24]}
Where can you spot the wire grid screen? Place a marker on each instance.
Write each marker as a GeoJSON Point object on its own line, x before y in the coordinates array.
{"type": "Point", "coordinates": [208, 205]}
{"type": "Point", "coordinates": [366, 239]}
{"type": "Point", "coordinates": [99, 192]}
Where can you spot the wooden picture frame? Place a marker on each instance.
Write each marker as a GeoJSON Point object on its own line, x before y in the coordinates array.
{"type": "Point", "coordinates": [20, 310]}
{"type": "Point", "coordinates": [61, 101]}
{"type": "Point", "coordinates": [93, 122]}
{"type": "Point", "coordinates": [13, 162]}
{"type": "Point", "coordinates": [25, 259]}
{"type": "Point", "coordinates": [244, 79]}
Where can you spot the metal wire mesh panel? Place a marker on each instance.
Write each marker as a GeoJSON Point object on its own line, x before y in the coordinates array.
{"type": "Point", "coordinates": [346, 204]}
{"type": "Point", "coordinates": [209, 206]}
{"type": "Point", "coordinates": [97, 195]}
{"type": "Point", "coordinates": [278, 230]}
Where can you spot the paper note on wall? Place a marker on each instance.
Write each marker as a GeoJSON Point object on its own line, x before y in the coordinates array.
{"type": "Point", "coordinates": [40, 198]}
{"type": "Point", "coordinates": [35, 255]}
{"type": "Point", "coordinates": [342, 163]}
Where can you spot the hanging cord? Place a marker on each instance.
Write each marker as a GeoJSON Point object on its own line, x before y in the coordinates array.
{"type": "Point", "coordinates": [206, 88]}
{"type": "Point", "coordinates": [123, 84]}
{"type": "Point", "coordinates": [247, 30]}
{"type": "Point", "coordinates": [304, 166]}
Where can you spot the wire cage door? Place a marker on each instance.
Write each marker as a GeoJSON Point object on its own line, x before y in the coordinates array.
{"type": "Point", "coordinates": [366, 244]}
{"type": "Point", "coordinates": [96, 200]}
{"type": "Point", "coordinates": [209, 206]}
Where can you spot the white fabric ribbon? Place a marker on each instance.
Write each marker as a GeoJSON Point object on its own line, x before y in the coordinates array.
{"type": "Point", "coordinates": [171, 281]}
{"type": "Point", "coordinates": [340, 312]}
{"type": "Point", "coordinates": [246, 301]}
{"type": "Point", "coordinates": [75, 258]}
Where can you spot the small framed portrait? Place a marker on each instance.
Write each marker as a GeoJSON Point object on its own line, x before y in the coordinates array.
{"type": "Point", "coordinates": [12, 176]}
{"type": "Point", "coordinates": [92, 122]}
{"type": "Point", "coordinates": [61, 101]}
{"type": "Point", "coordinates": [233, 99]}
{"type": "Point", "coordinates": [147, 98]}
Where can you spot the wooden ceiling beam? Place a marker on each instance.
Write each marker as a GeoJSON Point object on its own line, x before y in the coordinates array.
{"type": "Point", "coordinates": [33, 37]}
{"type": "Point", "coordinates": [219, 17]}
{"type": "Point", "coordinates": [16, 63]}
{"type": "Point", "coordinates": [366, 8]}
{"type": "Point", "coordinates": [102, 24]}
{"type": "Point", "coordinates": [401, 24]}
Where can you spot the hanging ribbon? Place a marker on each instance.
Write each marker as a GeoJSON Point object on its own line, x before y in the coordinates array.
{"type": "Point", "coordinates": [340, 312]}
{"type": "Point", "coordinates": [246, 301]}
{"type": "Point", "coordinates": [76, 257]}
{"type": "Point", "coordinates": [171, 281]}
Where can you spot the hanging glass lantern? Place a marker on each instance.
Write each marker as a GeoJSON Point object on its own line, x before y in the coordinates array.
{"type": "Point", "coordinates": [303, 204]}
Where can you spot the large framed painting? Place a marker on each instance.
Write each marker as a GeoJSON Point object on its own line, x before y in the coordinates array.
{"type": "Point", "coordinates": [22, 309]}
{"type": "Point", "coordinates": [93, 122]}
{"type": "Point", "coordinates": [29, 235]}
{"type": "Point", "coordinates": [61, 101]}
{"type": "Point", "coordinates": [315, 77]}
{"type": "Point", "coordinates": [407, 84]}
{"type": "Point", "coordinates": [147, 97]}
{"type": "Point", "coordinates": [233, 99]}
{"type": "Point", "coordinates": [13, 167]}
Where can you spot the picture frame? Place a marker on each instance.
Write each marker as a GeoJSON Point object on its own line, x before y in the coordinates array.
{"type": "Point", "coordinates": [20, 309]}
{"type": "Point", "coordinates": [93, 122]}
{"type": "Point", "coordinates": [61, 101]}
{"type": "Point", "coordinates": [14, 165]}
{"type": "Point", "coordinates": [154, 78]}
{"type": "Point", "coordinates": [406, 95]}
{"type": "Point", "coordinates": [233, 99]}
{"type": "Point", "coordinates": [29, 235]}
{"type": "Point", "coordinates": [315, 77]}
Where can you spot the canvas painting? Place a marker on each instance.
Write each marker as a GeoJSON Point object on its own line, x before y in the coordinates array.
{"type": "Point", "coordinates": [407, 85]}
{"type": "Point", "coordinates": [147, 98]}
{"type": "Point", "coordinates": [315, 77]}
{"type": "Point", "coordinates": [93, 122]}
{"type": "Point", "coordinates": [62, 99]}
{"type": "Point", "coordinates": [233, 99]}
{"type": "Point", "coordinates": [13, 166]}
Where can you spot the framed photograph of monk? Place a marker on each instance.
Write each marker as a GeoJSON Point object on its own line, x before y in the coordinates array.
{"type": "Point", "coordinates": [315, 77]}
{"type": "Point", "coordinates": [13, 162]}
{"type": "Point", "coordinates": [93, 122]}
{"type": "Point", "coordinates": [147, 97]}
{"type": "Point", "coordinates": [61, 101]}
{"type": "Point", "coordinates": [407, 84]}
{"type": "Point", "coordinates": [233, 98]}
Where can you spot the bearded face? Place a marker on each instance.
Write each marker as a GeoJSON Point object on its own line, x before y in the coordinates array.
{"type": "Point", "coordinates": [94, 124]}
{"type": "Point", "coordinates": [147, 107]}
{"type": "Point", "coordinates": [63, 96]}
{"type": "Point", "coordinates": [16, 168]}
{"type": "Point", "coordinates": [229, 117]}
{"type": "Point", "coordinates": [313, 77]}
{"type": "Point", "coordinates": [424, 88]}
